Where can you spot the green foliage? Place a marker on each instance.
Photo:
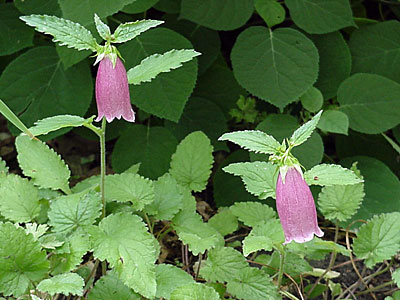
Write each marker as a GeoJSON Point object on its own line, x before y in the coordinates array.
{"type": "Point", "coordinates": [191, 163]}
{"type": "Point", "coordinates": [139, 6]}
{"type": "Point", "coordinates": [218, 14]}
{"type": "Point", "coordinates": [122, 239]}
{"type": "Point", "coordinates": [303, 133]}
{"type": "Point", "coordinates": [19, 201]}
{"type": "Point", "coordinates": [316, 249]}
{"type": "Point", "coordinates": [68, 283]}
{"type": "Point", "coordinates": [19, 265]}
{"type": "Point", "coordinates": [225, 222]}
{"type": "Point", "coordinates": [252, 213]}
{"type": "Point", "coordinates": [312, 100]}
{"type": "Point", "coordinates": [170, 278]}
{"type": "Point", "coordinates": [102, 28]}
{"type": "Point", "coordinates": [379, 239]}
{"type": "Point", "coordinates": [65, 32]}
{"type": "Point", "coordinates": [258, 177]}
{"type": "Point", "coordinates": [42, 164]}
{"type": "Point", "coordinates": [195, 291]}
{"type": "Point", "coordinates": [328, 175]}
{"type": "Point", "coordinates": [366, 110]}
{"type": "Point", "coordinates": [129, 187]}
{"type": "Point", "coordinates": [396, 277]}
{"type": "Point", "coordinates": [334, 121]}
{"type": "Point", "coordinates": [155, 64]}
{"type": "Point", "coordinates": [50, 124]}
{"type": "Point", "coordinates": [111, 287]}
{"type": "Point", "coordinates": [266, 67]}
{"type": "Point", "coordinates": [271, 11]}
{"type": "Point", "coordinates": [320, 17]}
{"type": "Point", "coordinates": [128, 31]}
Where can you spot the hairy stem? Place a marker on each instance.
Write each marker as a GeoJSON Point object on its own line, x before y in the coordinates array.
{"type": "Point", "coordinates": [103, 165]}
{"type": "Point", "coordinates": [281, 262]}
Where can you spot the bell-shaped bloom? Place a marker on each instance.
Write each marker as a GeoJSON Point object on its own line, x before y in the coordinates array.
{"type": "Point", "coordinates": [296, 208]}
{"type": "Point", "coordinates": [112, 92]}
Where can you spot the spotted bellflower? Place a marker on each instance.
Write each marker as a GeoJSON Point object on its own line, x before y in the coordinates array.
{"type": "Point", "coordinates": [295, 205]}
{"type": "Point", "coordinates": [112, 90]}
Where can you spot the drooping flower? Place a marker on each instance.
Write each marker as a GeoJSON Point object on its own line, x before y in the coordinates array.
{"type": "Point", "coordinates": [296, 207]}
{"type": "Point", "coordinates": [112, 91]}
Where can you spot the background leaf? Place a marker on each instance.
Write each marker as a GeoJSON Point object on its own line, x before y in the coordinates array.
{"type": "Point", "coordinates": [334, 121]}
{"type": "Point", "coordinates": [271, 11]}
{"type": "Point", "coordinates": [195, 291]}
{"type": "Point", "coordinates": [312, 100]}
{"type": "Point", "coordinates": [170, 278]}
{"type": "Point", "coordinates": [253, 213]}
{"type": "Point", "coordinates": [68, 283]}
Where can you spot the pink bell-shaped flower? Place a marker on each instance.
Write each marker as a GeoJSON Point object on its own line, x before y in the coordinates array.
{"type": "Point", "coordinates": [112, 91]}
{"type": "Point", "coordinates": [296, 207]}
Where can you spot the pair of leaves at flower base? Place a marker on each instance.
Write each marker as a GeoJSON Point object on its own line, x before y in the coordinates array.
{"type": "Point", "coordinates": [74, 35]}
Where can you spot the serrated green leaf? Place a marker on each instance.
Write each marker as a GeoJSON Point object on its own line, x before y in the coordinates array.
{"type": "Point", "coordinates": [317, 249]}
{"type": "Point", "coordinates": [312, 100]}
{"type": "Point", "coordinates": [223, 265]}
{"type": "Point", "coordinates": [102, 28]}
{"type": "Point", "coordinates": [379, 239]}
{"type": "Point", "coordinates": [263, 237]}
{"type": "Point", "coordinates": [319, 17]}
{"type": "Point", "coordinates": [128, 31]}
{"type": "Point", "coordinates": [327, 175]}
{"type": "Point", "coordinates": [152, 147]}
{"type": "Point", "coordinates": [252, 140]}
{"type": "Point", "coordinates": [129, 187]}
{"type": "Point", "coordinates": [168, 198]}
{"type": "Point", "coordinates": [191, 163]}
{"type": "Point", "coordinates": [70, 254]}
{"type": "Point", "coordinates": [259, 177]}
{"type": "Point", "coordinates": [68, 213]}
{"type": "Point", "coordinates": [37, 230]}
{"type": "Point", "coordinates": [69, 283]}
{"type": "Point", "coordinates": [373, 110]}
{"type": "Point", "coordinates": [194, 291]}
{"type": "Point", "coordinates": [50, 124]}
{"type": "Point", "coordinates": [225, 222]}
{"type": "Point", "coordinates": [253, 213]}
{"type": "Point", "coordinates": [217, 14]}
{"type": "Point", "coordinates": [111, 287]}
{"type": "Point", "coordinates": [253, 284]}
{"type": "Point", "coordinates": [3, 167]}
{"type": "Point", "coordinates": [334, 121]}
{"type": "Point", "coordinates": [22, 260]}
{"type": "Point", "coordinates": [396, 277]}
{"type": "Point", "coordinates": [192, 231]}
{"type": "Point", "coordinates": [42, 164]}
{"type": "Point", "coordinates": [170, 278]}
{"type": "Point", "coordinates": [271, 11]}
{"type": "Point", "coordinates": [123, 240]}
{"type": "Point", "coordinates": [265, 66]}
{"type": "Point", "coordinates": [65, 32]}
{"type": "Point", "coordinates": [340, 202]}
{"type": "Point", "coordinates": [19, 201]}
{"type": "Point", "coordinates": [294, 264]}
{"type": "Point", "coordinates": [14, 35]}
{"type": "Point", "coordinates": [304, 132]}
{"type": "Point", "coordinates": [155, 64]}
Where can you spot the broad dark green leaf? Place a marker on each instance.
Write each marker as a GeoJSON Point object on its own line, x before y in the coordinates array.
{"type": "Point", "coordinates": [271, 11]}
{"type": "Point", "coordinates": [45, 89]}
{"type": "Point", "coordinates": [218, 14]}
{"type": "Point", "coordinates": [316, 16]}
{"type": "Point", "coordinates": [168, 6]}
{"type": "Point", "coordinates": [139, 6]}
{"type": "Point", "coordinates": [14, 34]}
{"type": "Point", "coordinates": [277, 66]}
{"type": "Point", "coordinates": [372, 102]}
{"type": "Point", "coordinates": [47, 7]}
{"type": "Point", "coordinates": [152, 146]}
{"type": "Point", "coordinates": [166, 95]}
{"type": "Point", "coordinates": [334, 121]}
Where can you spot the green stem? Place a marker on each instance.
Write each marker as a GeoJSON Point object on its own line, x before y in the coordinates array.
{"type": "Point", "coordinates": [375, 288]}
{"type": "Point", "coordinates": [103, 165]}
{"type": "Point", "coordinates": [281, 263]}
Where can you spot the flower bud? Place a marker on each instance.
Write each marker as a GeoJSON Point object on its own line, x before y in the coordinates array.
{"type": "Point", "coordinates": [112, 91]}
{"type": "Point", "coordinates": [296, 207]}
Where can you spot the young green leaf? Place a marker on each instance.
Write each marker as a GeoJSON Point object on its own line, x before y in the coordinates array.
{"type": "Point", "coordinates": [258, 177]}
{"type": "Point", "coordinates": [66, 32]}
{"type": "Point", "coordinates": [191, 163]}
{"type": "Point", "coordinates": [10, 116]}
{"type": "Point", "coordinates": [263, 237]}
{"type": "Point", "coordinates": [304, 131]}
{"type": "Point", "coordinates": [42, 164]}
{"type": "Point", "coordinates": [110, 287]}
{"type": "Point", "coordinates": [19, 201]}
{"type": "Point", "coordinates": [312, 100]}
{"type": "Point", "coordinates": [169, 278]}
{"type": "Point", "coordinates": [3, 168]}
{"type": "Point", "coordinates": [252, 213]}
{"type": "Point", "coordinates": [195, 291]}
{"type": "Point", "coordinates": [102, 28]}
{"type": "Point", "coordinates": [68, 213]}
{"type": "Point", "coordinates": [340, 202]}
{"type": "Point", "coordinates": [327, 175]}
{"type": "Point", "coordinates": [223, 264]}
{"type": "Point", "coordinates": [252, 140]}
{"type": "Point", "coordinates": [252, 284]}
{"type": "Point", "coordinates": [379, 239]}
{"type": "Point", "coordinates": [225, 222]}
{"type": "Point", "coordinates": [128, 31]}
{"type": "Point", "coordinates": [155, 64]}
{"type": "Point", "coordinates": [123, 240]}
{"type": "Point", "coordinates": [271, 11]}
{"type": "Point", "coordinates": [129, 187]}
{"type": "Point", "coordinates": [50, 124]}
{"type": "Point", "coordinates": [22, 260]}
{"type": "Point", "coordinates": [68, 283]}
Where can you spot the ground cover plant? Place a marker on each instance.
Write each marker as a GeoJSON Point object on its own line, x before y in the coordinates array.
{"type": "Point", "coordinates": [214, 149]}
